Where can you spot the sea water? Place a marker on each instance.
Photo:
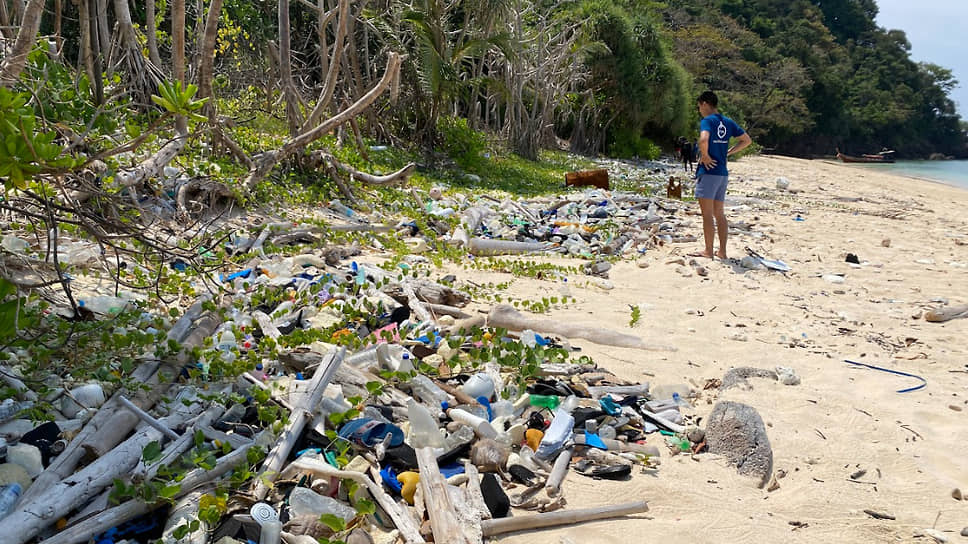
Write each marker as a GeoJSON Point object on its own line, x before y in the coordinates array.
{"type": "Point", "coordinates": [948, 172]}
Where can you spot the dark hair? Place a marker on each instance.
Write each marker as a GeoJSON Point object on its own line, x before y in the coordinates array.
{"type": "Point", "coordinates": [710, 98]}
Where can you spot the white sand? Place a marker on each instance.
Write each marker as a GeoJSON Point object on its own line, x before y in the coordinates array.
{"type": "Point", "coordinates": [840, 419]}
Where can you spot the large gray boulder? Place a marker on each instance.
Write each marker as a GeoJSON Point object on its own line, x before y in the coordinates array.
{"type": "Point", "coordinates": [736, 431]}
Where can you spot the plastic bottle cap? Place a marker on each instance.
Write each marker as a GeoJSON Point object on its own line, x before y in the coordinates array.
{"type": "Point", "coordinates": [262, 512]}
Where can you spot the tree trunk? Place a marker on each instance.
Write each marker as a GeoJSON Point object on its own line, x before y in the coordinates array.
{"type": "Point", "coordinates": [151, 29]}
{"type": "Point", "coordinates": [178, 55]}
{"type": "Point", "coordinates": [206, 61]}
{"type": "Point", "coordinates": [104, 30]}
{"type": "Point", "coordinates": [14, 63]}
{"type": "Point", "coordinates": [141, 74]}
{"type": "Point", "coordinates": [97, 66]}
{"type": "Point", "coordinates": [285, 70]}
{"type": "Point", "coordinates": [5, 22]}
{"type": "Point", "coordinates": [326, 96]}
{"type": "Point", "coordinates": [58, 18]}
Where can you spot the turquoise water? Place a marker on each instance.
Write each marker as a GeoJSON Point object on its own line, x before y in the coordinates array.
{"type": "Point", "coordinates": [949, 172]}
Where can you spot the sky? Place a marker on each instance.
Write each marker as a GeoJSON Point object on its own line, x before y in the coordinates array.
{"type": "Point", "coordinates": [935, 30]}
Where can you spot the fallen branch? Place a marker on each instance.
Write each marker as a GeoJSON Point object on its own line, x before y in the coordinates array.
{"type": "Point", "coordinates": [506, 317]}
{"type": "Point", "coordinates": [267, 161]}
{"type": "Point", "coordinates": [553, 519]}
{"type": "Point", "coordinates": [443, 517]}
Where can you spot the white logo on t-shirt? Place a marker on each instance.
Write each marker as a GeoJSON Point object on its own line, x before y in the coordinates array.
{"type": "Point", "coordinates": [721, 131]}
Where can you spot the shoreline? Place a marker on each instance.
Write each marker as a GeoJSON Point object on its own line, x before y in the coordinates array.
{"type": "Point", "coordinates": [948, 183]}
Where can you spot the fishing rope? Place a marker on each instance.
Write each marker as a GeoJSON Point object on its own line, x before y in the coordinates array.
{"type": "Point", "coordinates": [898, 372]}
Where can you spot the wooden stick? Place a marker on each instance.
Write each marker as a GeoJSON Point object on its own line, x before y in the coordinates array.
{"type": "Point", "coordinates": [147, 418]}
{"type": "Point", "coordinates": [940, 315]}
{"type": "Point", "coordinates": [553, 519]}
{"type": "Point", "coordinates": [558, 472]}
{"type": "Point", "coordinates": [443, 517]}
{"type": "Point", "coordinates": [474, 495]}
{"type": "Point", "coordinates": [297, 422]}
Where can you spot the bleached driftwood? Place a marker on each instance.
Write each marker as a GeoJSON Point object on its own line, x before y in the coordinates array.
{"type": "Point", "coordinates": [428, 291]}
{"type": "Point", "coordinates": [298, 419]}
{"type": "Point", "coordinates": [474, 495]}
{"type": "Point", "coordinates": [558, 472]}
{"type": "Point", "coordinates": [147, 418]}
{"type": "Point", "coordinates": [102, 521]}
{"type": "Point", "coordinates": [26, 521]}
{"type": "Point", "coordinates": [507, 317]}
{"type": "Point", "coordinates": [553, 519]}
{"type": "Point", "coordinates": [443, 518]}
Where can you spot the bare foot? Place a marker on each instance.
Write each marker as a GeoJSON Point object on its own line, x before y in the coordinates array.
{"type": "Point", "coordinates": [721, 254]}
{"type": "Point", "coordinates": [703, 253]}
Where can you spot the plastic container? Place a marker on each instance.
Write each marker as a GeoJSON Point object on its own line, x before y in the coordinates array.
{"type": "Point", "coordinates": [550, 402]}
{"type": "Point", "coordinates": [480, 425]}
{"type": "Point", "coordinates": [271, 531]}
{"type": "Point", "coordinates": [306, 502]}
{"type": "Point", "coordinates": [557, 434]}
{"type": "Point", "coordinates": [103, 305]}
{"type": "Point", "coordinates": [28, 457]}
{"type": "Point", "coordinates": [424, 431]}
{"type": "Point", "coordinates": [9, 496]}
{"type": "Point", "coordinates": [341, 209]}
{"type": "Point", "coordinates": [427, 391]}
{"type": "Point", "coordinates": [479, 385]}
{"type": "Point", "coordinates": [487, 246]}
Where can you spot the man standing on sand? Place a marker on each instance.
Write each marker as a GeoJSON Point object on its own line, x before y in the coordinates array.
{"type": "Point", "coordinates": [715, 130]}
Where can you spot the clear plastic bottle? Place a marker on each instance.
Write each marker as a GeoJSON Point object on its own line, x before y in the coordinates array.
{"type": "Point", "coordinates": [9, 496]}
{"type": "Point", "coordinates": [556, 435]}
{"type": "Point", "coordinates": [424, 431]}
{"type": "Point", "coordinates": [427, 391]}
{"type": "Point", "coordinates": [341, 208]}
{"type": "Point", "coordinates": [304, 501]}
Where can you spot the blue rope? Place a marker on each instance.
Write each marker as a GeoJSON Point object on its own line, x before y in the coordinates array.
{"type": "Point", "coordinates": [899, 373]}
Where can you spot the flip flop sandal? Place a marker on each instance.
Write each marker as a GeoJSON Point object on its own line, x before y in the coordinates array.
{"type": "Point", "coordinates": [604, 472]}
{"type": "Point", "coordinates": [368, 432]}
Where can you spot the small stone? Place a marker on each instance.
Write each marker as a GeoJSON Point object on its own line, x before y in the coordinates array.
{"type": "Point", "coordinates": [955, 407]}
{"type": "Point", "coordinates": [695, 434]}
{"type": "Point", "coordinates": [739, 337]}
{"type": "Point", "coordinates": [957, 495]}
{"type": "Point", "coordinates": [964, 532]}
{"type": "Point", "coordinates": [642, 263]}
{"type": "Point", "coordinates": [886, 242]}
{"type": "Point", "coordinates": [787, 376]}
{"type": "Point", "coordinates": [833, 278]}
{"type": "Point", "coordinates": [678, 260]}
{"type": "Point", "coordinates": [782, 183]}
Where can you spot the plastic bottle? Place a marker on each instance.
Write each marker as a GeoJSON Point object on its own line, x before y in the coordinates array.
{"type": "Point", "coordinates": [271, 531]}
{"type": "Point", "coordinates": [479, 385]}
{"type": "Point", "coordinates": [462, 435]}
{"type": "Point", "coordinates": [103, 305]}
{"type": "Point", "coordinates": [9, 496]}
{"type": "Point", "coordinates": [304, 501]}
{"type": "Point", "coordinates": [424, 431]}
{"type": "Point", "coordinates": [564, 290]}
{"type": "Point", "coordinates": [341, 209]}
{"type": "Point", "coordinates": [550, 402]}
{"type": "Point", "coordinates": [427, 391]}
{"type": "Point", "coordinates": [480, 425]}
{"type": "Point", "coordinates": [556, 435]}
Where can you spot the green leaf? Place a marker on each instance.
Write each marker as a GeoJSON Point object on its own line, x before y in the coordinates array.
{"type": "Point", "coordinates": [199, 438]}
{"type": "Point", "coordinates": [365, 507]}
{"type": "Point", "coordinates": [151, 452]}
{"type": "Point", "coordinates": [169, 491]}
{"type": "Point", "coordinates": [333, 521]}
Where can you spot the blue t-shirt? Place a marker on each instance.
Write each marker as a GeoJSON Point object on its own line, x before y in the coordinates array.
{"type": "Point", "coordinates": [721, 129]}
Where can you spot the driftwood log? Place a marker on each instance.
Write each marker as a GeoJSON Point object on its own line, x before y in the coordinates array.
{"type": "Point", "coordinates": [55, 502]}
{"type": "Point", "coordinates": [443, 517]}
{"type": "Point", "coordinates": [507, 317]}
{"type": "Point", "coordinates": [298, 419]}
{"type": "Point", "coordinates": [429, 292]}
{"type": "Point", "coordinates": [940, 315]}
{"type": "Point", "coordinates": [554, 519]}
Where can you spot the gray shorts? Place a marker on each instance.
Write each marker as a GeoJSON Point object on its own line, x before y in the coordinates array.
{"type": "Point", "coordinates": [712, 187]}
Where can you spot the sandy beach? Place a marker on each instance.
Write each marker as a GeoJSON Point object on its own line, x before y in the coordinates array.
{"type": "Point", "coordinates": [841, 419]}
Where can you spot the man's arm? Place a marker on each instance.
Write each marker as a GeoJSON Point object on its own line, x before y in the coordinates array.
{"type": "Point", "coordinates": [704, 158]}
{"type": "Point", "coordinates": [742, 143]}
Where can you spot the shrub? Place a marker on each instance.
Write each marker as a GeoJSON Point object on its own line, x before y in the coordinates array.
{"type": "Point", "coordinates": [461, 143]}
{"type": "Point", "coordinates": [627, 143]}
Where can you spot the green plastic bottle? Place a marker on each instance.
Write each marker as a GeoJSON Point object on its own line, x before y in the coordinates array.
{"type": "Point", "coordinates": [546, 401]}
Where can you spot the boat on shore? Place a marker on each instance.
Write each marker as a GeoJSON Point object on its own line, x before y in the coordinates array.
{"type": "Point", "coordinates": [886, 156]}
